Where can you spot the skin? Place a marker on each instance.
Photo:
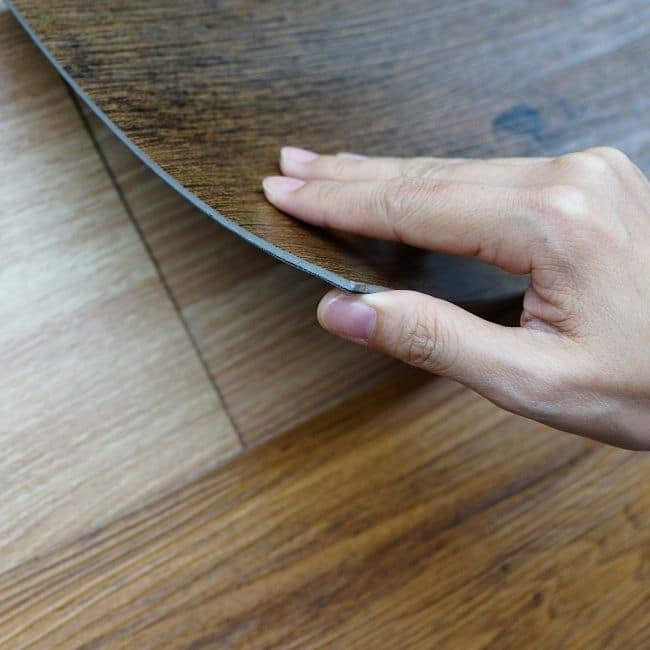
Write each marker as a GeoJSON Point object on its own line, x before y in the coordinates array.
{"type": "Point", "coordinates": [579, 224]}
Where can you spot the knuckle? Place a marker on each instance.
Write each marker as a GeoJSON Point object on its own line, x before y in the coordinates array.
{"type": "Point", "coordinates": [326, 192]}
{"type": "Point", "coordinates": [325, 201]}
{"type": "Point", "coordinates": [399, 199]}
{"type": "Point", "coordinates": [402, 192]}
{"type": "Point", "coordinates": [421, 168]}
{"type": "Point", "coordinates": [339, 166]}
{"type": "Point", "coordinates": [610, 154]}
{"type": "Point", "coordinates": [425, 343]}
{"type": "Point", "coordinates": [585, 164]}
{"type": "Point", "coordinates": [562, 203]}
{"type": "Point", "coordinates": [419, 338]}
{"type": "Point", "coordinates": [576, 216]}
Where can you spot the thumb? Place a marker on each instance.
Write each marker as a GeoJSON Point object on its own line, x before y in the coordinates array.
{"type": "Point", "coordinates": [505, 364]}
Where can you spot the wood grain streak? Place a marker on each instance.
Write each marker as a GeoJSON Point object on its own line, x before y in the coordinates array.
{"type": "Point", "coordinates": [210, 91]}
{"type": "Point", "coordinates": [97, 376]}
{"type": "Point", "coordinates": [392, 521]}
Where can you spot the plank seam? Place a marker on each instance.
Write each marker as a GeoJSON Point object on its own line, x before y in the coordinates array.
{"type": "Point", "coordinates": [127, 207]}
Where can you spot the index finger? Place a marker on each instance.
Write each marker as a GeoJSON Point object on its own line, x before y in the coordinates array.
{"type": "Point", "coordinates": [495, 224]}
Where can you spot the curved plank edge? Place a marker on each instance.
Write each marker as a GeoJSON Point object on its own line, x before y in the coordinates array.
{"type": "Point", "coordinates": [277, 252]}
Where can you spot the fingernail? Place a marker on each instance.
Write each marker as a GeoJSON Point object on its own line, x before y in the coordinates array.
{"type": "Point", "coordinates": [347, 316]}
{"type": "Point", "coordinates": [296, 155]}
{"type": "Point", "coordinates": [281, 184]}
{"type": "Point", "coordinates": [351, 156]}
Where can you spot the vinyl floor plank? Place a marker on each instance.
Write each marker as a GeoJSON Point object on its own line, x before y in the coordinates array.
{"type": "Point", "coordinates": [416, 515]}
{"type": "Point", "coordinates": [104, 402]}
{"type": "Point", "coordinates": [208, 93]}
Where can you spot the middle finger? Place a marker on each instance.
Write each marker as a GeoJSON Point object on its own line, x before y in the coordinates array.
{"type": "Point", "coordinates": [505, 172]}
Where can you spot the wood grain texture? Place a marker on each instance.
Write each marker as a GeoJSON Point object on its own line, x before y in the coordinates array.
{"type": "Point", "coordinates": [417, 515]}
{"type": "Point", "coordinates": [211, 90]}
{"type": "Point", "coordinates": [103, 401]}
{"type": "Point", "coordinates": [253, 318]}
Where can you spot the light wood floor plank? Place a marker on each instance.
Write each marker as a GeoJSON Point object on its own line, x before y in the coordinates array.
{"type": "Point", "coordinates": [253, 318]}
{"type": "Point", "coordinates": [103, 402]}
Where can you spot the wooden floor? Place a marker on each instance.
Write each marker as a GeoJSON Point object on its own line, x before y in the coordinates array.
{"type": "Point", "coordinates": [187, 461]}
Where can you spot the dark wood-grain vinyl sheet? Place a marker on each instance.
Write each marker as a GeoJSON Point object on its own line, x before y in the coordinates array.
{"type": "Point", "coordinates": [209, 91]}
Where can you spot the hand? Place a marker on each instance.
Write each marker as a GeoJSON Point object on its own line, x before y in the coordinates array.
{"type": "Point", "coordinates": [579, 224]}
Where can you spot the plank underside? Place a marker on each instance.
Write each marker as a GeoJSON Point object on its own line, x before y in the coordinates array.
{"type": "Point", "coordinates": [209, 95]}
